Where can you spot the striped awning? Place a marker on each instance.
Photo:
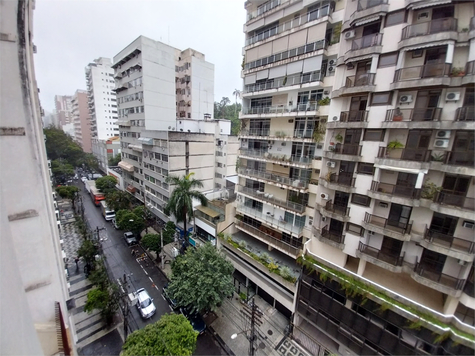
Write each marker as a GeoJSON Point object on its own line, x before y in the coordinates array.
{"type": "Point", "coordinates": [126, 166]}
{"type": "Point", "coordinates": [428, 44]}
{"type": "Point", "coordinates": [359, 58]}
{"type": "Point", "coordinates": [367, 20]}
{"type": "Point", "coordinates": [430, 3]}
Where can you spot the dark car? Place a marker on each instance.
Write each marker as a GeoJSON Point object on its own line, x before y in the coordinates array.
{"type": "Point", "coordinates": [130, 238]}
{"type": "Point", "coordinates": [172, 302]}
{"type": "Point", "coordinates": [195, 320]}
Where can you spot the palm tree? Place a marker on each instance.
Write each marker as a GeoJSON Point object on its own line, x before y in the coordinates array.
{"type": "Point", "coordinates": [236, 93]}
{"type": "Point", "coordinates": [180, 203]}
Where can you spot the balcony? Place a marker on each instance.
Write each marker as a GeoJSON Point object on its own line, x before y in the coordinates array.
{"type": "Point", "coordinates": [265, 7]}
{"type": "Point", "coordinates": [264, 155]}
{"type": "Point", "coordinates": [336, 211]}
{"type": "Point", "coordinates": [417, 158]}
{"type": "Point", "coordinates": [298, 184]}
{"type": "Point", "coordinates": [271, 237]}
{"type": "Point", "coordinates": [362, 83]}
{"type": "Point", "coordinates": [354, 118]}
{"type": "Point", "coordinates": [426, 75]}
{"type": "Point", "coordinates": [282, 82]}
{"type": "Point", "coordinates": [269, 198]}
{"type": "Point", "coordinates": [332, 238]}
{"type": "Point", "coordinates": [344, 152]}
{"type": "Point", "coordinates": [469, 76]}
{"type": "Point", "coordinates": [364, 46]}
{"type": "Point", "coordinates": [283, 110]}
{"type": "Point", "coordinates": [460, 158]}
{"type": "Point", "coordinates": [437, 280]}
{"type": "Point", "coordinates": [429, 32]}
{"type": "Point", "coordinates": [448, 242]}
{"type": "Point", "coordinates": [255, 133]}
{"type": "Point", "coordinates": [465, 113]}
{"type": "Point", "coordinates": [395, 229]}
{"type": "Point", "coordinates": [412, 118]}
{"type": "Point", "coordinates": [454, 202]}
{"type": "Point", "coordinates": [392, 262]}
{"type": "Point", "coordinates": [368, 8]}
{"type": "Point", "coordinates": [394, 191]}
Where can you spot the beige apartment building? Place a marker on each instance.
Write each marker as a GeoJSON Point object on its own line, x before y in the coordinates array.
{"type": "Point", "coordinates": [375, 190]}
{"type": "Point", "coordinates": [81, 120]}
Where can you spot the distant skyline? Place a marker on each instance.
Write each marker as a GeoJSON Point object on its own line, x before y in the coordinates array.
{"type": "Point", "coordinates": [70, 34]}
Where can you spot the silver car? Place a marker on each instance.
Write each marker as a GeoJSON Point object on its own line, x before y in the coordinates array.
{"type": "Point", "coordinates": [145, 304]}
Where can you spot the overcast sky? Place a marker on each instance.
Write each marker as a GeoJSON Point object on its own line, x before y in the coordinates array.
{"type": "Point", "coordinates": [69, 34]}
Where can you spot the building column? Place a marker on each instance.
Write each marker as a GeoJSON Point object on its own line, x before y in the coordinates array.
{"type": "Point", "coordinates": [420, 179]}
{"type": "Point", "coordinates": [450, 305]}
{"type": "Point", "coordinates": [377, 174]}
{"type": "Point", "coordinates": [374, 63]}
{"type": "Point", "coordinates": [400, 59]}
{"type": "Point", "coordinates": [449, 57]}
{"type": "Point", "coordinates": [361, 267]}
{"type": "Point", "coordinates": [471, 50]}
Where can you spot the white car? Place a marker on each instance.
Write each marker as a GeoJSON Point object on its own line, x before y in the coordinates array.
{"type": "Point", "coordinates": [145, 304]}
{"type": "Point", "coordinates": [83, 179]}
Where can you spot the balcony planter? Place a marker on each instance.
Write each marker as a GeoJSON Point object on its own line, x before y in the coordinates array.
{"type": "Point", "coordinates": [397, 115]}
{"type": "Point", "coordinates": [457, 72]}
{"type": "Point", "coordinates": [394, 145]}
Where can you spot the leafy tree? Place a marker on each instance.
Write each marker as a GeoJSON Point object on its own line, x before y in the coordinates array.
{"type": "Point", "coordinates": [60, 145]}
{"type": "Point", "coordinates": [114, 161]}
{"type": "Point", "coordinates": [88, 251]}
{"type": "Point", "coordinates": [89, 162]}
{"type": "Point", "coordinates": [68, 192]}
{"type": "Point", "coordinates": [118, 200]}
{"type": "Point", "coordinates": [61, 170]}
{"type": "Point", "coordinates": [152, 242]}
{"type": "Point", "coordinates": [201, 278]}
{"type": "Point", "coordinates": [223, 110]}
{"type": "Point", "coordinates": [146, 214]}
{"type": "Point", "coordinates": [180, 203]}
{"type": "Point", "coordinates": [105, 300]}
{"type": "Point", "coordinates": [169, 232]}
{"type": "Point", "coordinates": [106, 184]}
{"type": "Point", "coordinates": [236, 93]}
{"type": "Point", "coordinates": [171, 335]}
{"type": "Point", "coordinates": [128, 221]}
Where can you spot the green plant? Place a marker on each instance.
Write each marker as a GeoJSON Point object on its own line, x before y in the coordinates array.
{"type": "Point", "coordinates": [456, 71]}
{"type": "Point", "coordinates": [339, 138]}
{"type": "Point", "coordinates": [285, 272]}
{"type": "Point", "coordinates": [392, 145]}
{"type": "Point", "coordinates": [319, 131]}
{"type": "Point", "coordinates": [243, 296]}
{"type": "Point", "coordinates": [437, 157]}
{"type": "Point", "coordinates": [325, 101]}
{"type": "Point", "coordinates": [243, 62]}
{"type": "Point", "coordinates": [273, 267]}
{"type": "Point", "coordinates": [242, 244]}
{"type": "Point", "coordinates": [465, 29]}
{"type": "Point", "coordinates": [429, 190]}
{"type": "Point", "coordinates": [265, 257]}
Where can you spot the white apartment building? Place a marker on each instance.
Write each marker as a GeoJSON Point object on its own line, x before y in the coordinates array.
{"type": "Point", "coordinates": [165, 105]}
{"type": "Point", "coordinates": [102, 99]}
{"type": "Point", "coordinates": [33, 285]}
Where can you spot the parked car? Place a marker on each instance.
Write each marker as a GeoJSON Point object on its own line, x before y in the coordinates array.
{"type": "Point", "coordinates": [172, 302]}
{"type": "Point", "coordinates": [83, 179]}
{"type": "Point", "coordinates": [130, 238]}
{"type": "Point", "coordinates": [195, 320]}
{"type": "Point", "coordinates": [114, 223]}
{"type": "Point", "coordinates": [145, 304]}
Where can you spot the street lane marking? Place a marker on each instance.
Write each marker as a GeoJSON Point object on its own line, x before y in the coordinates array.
{"type": "Point", "coordinates": [151, 280]}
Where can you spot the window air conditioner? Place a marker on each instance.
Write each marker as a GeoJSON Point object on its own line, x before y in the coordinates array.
{"type": "Point", "coordinates": [349, 35]}
{"type": "Point", "coordinates": [452, 96]}
{"type": "Point", "coordinates": [443, 134]}
{"type": "Point", "coordinates": [441, 143]}
{"type": "Point", "coordinates": [331, 164]}
{"type": "Point", "coordinates": [324, 196]}
{"type": "Point", "coordinates": [405, 99]}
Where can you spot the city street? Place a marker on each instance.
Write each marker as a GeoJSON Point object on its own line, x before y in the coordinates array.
{"type": "Point", "coordinates": [139, 272]}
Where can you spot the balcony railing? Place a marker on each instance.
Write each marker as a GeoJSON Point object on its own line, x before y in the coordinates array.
{"type": "Point", "coordinates": [275, 157]}
{"type": "Point", "coordinates": [270, 199]}
{"type": "Point", "coordinates": [366, 4]}
{"type": "Point", "coordinates": [449, 241]}
{"type": "Point", "coordinates": [269, 219]}
{"type": "Point", "coordinates": [279, 109]}
{"type": "Point", "coordinates": [429, 28]}
{"type": "Point", "coordinates": [343, 179]}
{"type": "Point", "coordinates": [394, 225]}
{"type": "Point", "coordinates": [296, 22]}
{"type": "Point", "coordinates": [267, 6]}
{"type": "Point", "coordinates": [395, 260]}
{"type": "Point", "coordinates": [360, 80]}
{"type": "Point", "coordinates": [428, 114]}
{"type": "Point", "coordinates": [333, 235]}
{"type": "Point", "coordinates": [299, 183]}
{"type": "Point", "coordinates": [396, 190]}
{"type": "Point", "coordinates": [337, 209]}
{"type": "Point", "coordinates": [460, 158]}
{"type": "Point", "coordinates": [405, 154]}
{"type": "Point", "coordinates": [354, 116]}
{"type": "Point", "coordinates": [367, 41]}
{"type": "Point", "coordinates": [256, 132]}
{"type": "Point", "coordinates": [284, 82]}
{"type": "Point", "coordinates": [346, 149]}
{"type": "Point", "coordinates": [303, 133]}
{"type": "Point", "coordinates": [460, 201]}
{"type": "Point", "coordinates": [424, 271]}
{"type": "Point", "coordinates": [465, 113]}
{"type": "Point", "coordinates": [422, 72]}
{"type": "Point", "coordinates": [275, 242]}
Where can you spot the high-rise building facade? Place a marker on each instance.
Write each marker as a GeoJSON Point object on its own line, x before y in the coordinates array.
{"type": "Point", "coordinates": [63, 107]}
{"type": "Point", "coordinates": [81, 120]}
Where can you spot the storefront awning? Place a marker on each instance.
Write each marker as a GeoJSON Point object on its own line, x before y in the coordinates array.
{"type": "Point", "coordinates": [208, 211]}
{"type": "Point", "coordinates": [126, 166]}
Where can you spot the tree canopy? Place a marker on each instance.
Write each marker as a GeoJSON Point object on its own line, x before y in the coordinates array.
{"type": "Point", "coordinates": [106, 184]}
{"type": "Point", "coordinates": [68, 192]}
{"type": "Point", "coordinates": [171, 335]}
{"type": "Point", "coordinates": [114, 161]}
{"type": "Point", "coordinates": [154, 241]}
{"type": "Point", "coordinates": [118, 200]}
{"type": "Point", "coordinates": [225, 110]}
{"type": "Point", "coordinates": [129, 221]}
{"type": "Point", "coordinates": [201, 278]}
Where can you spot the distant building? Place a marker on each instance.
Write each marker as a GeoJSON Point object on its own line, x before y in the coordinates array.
{"type": "Point", "coordinates": [103, 150]}
{"type": "Point", "coordinates": [81, 120]}
{"type": "Point", "coordinates": [63, 106]}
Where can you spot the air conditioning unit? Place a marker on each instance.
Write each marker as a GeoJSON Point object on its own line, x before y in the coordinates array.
{"type": "Point", "coordinates": [331, 164]}
{"type": "Point", "coordinates": [349, 35]}
{"type": "Point", "coordinates": [441, 143]}
{"type": "Point", "coordinates": [324, 196]}
{"type": "Point", "coordinates": [331, 62]}
{"type": "Point", "coordinates": [443, 134]}
{"type": "Point", "coordinates": [405, 99]}
{"type": "Point", "coordinates": [468, 224]}
{"type": "Point", "coordinates": [452, 96]}
{"type": "Point", "coordinates": [331, 69]}
{"type": "Point", "coordinates": [335, 118]}
{"type": "Point", "coordinates": [462, 262]}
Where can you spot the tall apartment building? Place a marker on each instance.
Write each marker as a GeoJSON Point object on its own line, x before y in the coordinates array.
{"type": "Point", "coordinates": [81, 120]}
{"type": "Point", "coordinates": [288, 71]}
{"type": "Point", "coordinates": [165, 105]}
{"type": "Point", "coordinates": [63, 107]}
{"type": "Point", "coordinates": [33, 285]}
{"type": "Point", "coordinates": [393, 240]}
{"type": "Point", "coordinates": [101, 99]}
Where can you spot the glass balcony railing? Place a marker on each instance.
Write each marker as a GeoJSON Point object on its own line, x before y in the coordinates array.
{"type": "Point", "coordinates": [421, 72]}
{"type": "Point", "coordinates": [267, 6]}
{"type": "Point", "coordinates": [430, 27]}
{"type": "Point", "coordinates": [449, 241]}
{"type": "Point", "coordinates": [281, 82]}
{"type": "Point", "coordinates": [256, 132]}
{"type": "Point", "coordinates": [397, 190]}
{"type": "Point", "coordinates": [300, 183]}
{"type": "Point", "coordinates": [277, 157]}
{"type": "Point", "coordinates": [354, 116]}
{"type": "Point", "coordinates": [366, 4]}
{"type": "Point", "coordinates": [270, 199]}
{"type": "Point", "coordinates": [425, 270]}
{"type": "Point", "coordinates": [359, 80]}
{"type": "Point", "coordinates": [465, 113]}
{"type": "Point", "coordinates": [367, 41]}
{"type": "Point", "coordinates": [343, 179]}
{"type": "Point", "coordinates": [394, 225]}
{"type": "Point", "coordinates": [280, 109]}
{"type": "Point", "coordinates": [394, 259]}
{"type": "Point", "coordinates": [427, 114]}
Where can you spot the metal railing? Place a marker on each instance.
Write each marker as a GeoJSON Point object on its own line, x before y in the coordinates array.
{"type": "Point", "coordinates": [366, 41]}
{"type": "Point", "coordinates": [397, 190]}
{"type": "Point", "coordinates": [465, 113]}
{"type": "Point", "coordinates": [366, 4]}
{"type": "Point", "coordinates": [458, 200]}
{"type": "Point", "coordinates": [333, 235]}
{"type": "Point", "coordinates": [256, 132]}
{"type": "Point", "coordinates": [337, 209]}
{"type": "Point", "coordinates": [299, 183]}
{"type": "Point", "coordinates": [296, 22]}
{"type": "Point", "coordinates": [420, 72]}
{"type": "Point", "coordinates": [360, 80]}
{"type": "Point", "coordinates": [425, 271]}
{"type": "Point", "coordinates": [460, 158]}
{"type": "Point", "coordinates": [353, 116]}
{"type": "Point", "coordinates": [276, 83]}
{"type": "Point", "coordinates": [395, 260]}
{"type": "Point", "coordinates": [427, 114]}
{"type": "Point", "coordinates": [270, 199]}
{"type": "Point", "coordinates": [343, 179]}
{"type": "Point", "coordinates": [449, 241]}
{"type": "Point", "coordinates": [290, 53]}
{"type": "Point", "coordinates": [394, 225]}
{"type": "Point", "coordinates": [405, 154]}
{"type": "Point", "coordinates": [346, 149]}
{"type": "Point", "coordinates": [430, 27]}
{"type": "Point", "coordinates": [267, 6]}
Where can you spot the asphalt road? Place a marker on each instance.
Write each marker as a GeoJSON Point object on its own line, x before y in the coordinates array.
{"type": "Point", "coordinates": [139, 272]}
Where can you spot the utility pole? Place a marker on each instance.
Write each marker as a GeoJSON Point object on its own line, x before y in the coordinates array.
{"type": "Point", "coordinates": [252, 313]}
{"type": "Point", "coordinates": [126, 307]}
{"type": "Point", "coordinates": [161, 249]}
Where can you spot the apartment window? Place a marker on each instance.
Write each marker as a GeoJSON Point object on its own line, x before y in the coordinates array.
{"type": "Point", "coordinates": [395, 18]}
{"type": "Point", "coordinates": [365, 168]}
{"type": "Point", "coordinates": [373, 135]}
{"type": "Point", "coordinates": [360, 199]}
{"type": "Point", "coordinates": [387, 60]}
{"type": "Point", "coordinates": [384, 98]}
{"type": "Point", "coordinates": [356, 229]}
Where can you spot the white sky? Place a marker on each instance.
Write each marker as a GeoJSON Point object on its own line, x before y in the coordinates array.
{"type": "Point", "coordinates": [69, 34]}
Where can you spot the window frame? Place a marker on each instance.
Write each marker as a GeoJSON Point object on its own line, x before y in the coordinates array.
{"type": "Point", "coordinates": [404, 19]}
{"type": "Point", "coordinates": [381, 135]}
{"type": "Point", "coordinates": [384, 55]}
{"type": "Point", "coordinates": [355, 195]}
{"type": "Point", "coordinates": [387, 102]}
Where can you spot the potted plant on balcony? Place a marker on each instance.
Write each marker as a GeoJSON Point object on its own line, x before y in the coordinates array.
{"type": "Point", "coordinates": [395, 144]}
{"type": "Point", "coordinates": [339, 138]}
{"type": "Point", "coordinates": [429, 190]}
{"type": "Point", "coordinates": [457, 72]}
{"type": "Point", "coordinates": [397, 116]}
